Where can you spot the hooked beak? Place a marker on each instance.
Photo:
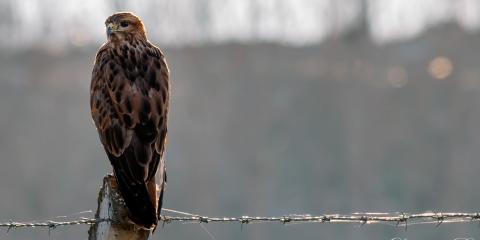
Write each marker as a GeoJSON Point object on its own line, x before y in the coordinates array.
{"type": "Point", "coordinates": [110, 30]}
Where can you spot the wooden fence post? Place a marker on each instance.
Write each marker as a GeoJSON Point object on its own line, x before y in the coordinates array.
{"type": "Point", "coordinates": [111, 205]}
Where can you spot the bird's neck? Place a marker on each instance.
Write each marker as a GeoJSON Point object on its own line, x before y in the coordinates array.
{"type": "Point", "coordinates": [134, 42]}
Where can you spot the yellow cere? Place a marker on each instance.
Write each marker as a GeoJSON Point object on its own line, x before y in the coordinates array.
{"type": "Point", "coordinates": [110, 25]}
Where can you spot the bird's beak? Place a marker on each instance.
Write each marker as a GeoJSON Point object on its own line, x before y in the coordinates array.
{"type": "Point", "coordinates": [110, 29]}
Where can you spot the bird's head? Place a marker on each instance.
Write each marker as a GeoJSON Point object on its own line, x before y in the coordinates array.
{"type": "Point", "coordinates": [124, 26]}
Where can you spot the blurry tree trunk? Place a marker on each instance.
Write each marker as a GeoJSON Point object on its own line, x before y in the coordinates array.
{"type": "Point", "coordinates": [111, 205]}
{"type": "Point", "coordinates": [360, 26]}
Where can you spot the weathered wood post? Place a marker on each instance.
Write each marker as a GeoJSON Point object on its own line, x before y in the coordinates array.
{"type": "Point", "coordinates": [111, 205]}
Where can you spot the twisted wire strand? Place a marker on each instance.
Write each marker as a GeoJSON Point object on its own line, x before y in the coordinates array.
{"type": "Point", "coordinates": [363, 218]}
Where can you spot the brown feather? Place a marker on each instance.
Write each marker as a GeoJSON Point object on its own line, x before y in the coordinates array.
{"type": "Point", "coordinates": [129, 99]}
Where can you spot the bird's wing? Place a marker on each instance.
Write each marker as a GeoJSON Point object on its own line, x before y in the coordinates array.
{"type": "Point", "coordinates": [129, 102]}
{"type": "Point", "coordinates": [129, 97]}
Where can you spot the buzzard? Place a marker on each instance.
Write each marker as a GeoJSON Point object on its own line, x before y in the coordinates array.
{"type": "Point", "coordinates": [129, 95]}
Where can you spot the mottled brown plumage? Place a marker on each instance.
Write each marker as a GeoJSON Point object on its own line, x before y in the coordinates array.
{"type": "Point", "coordinates": [129, 96]}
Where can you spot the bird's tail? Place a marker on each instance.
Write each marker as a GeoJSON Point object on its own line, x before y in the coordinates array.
{"type": "Point", "coordinates": [140, 199]}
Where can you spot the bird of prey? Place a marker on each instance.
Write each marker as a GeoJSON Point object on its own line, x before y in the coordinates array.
{"type": "Point", "coordinates": [129, 95]}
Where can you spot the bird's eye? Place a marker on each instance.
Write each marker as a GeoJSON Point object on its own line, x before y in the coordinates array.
{"type": "Point", "coordinates": [124, 24]}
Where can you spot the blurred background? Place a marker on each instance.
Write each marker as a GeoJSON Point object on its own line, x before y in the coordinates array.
{"type": "Point", "coordinates": [277, 107]}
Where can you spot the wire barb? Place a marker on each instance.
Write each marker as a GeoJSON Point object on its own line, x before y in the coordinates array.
{"type": "Point", "coordinates": [440, 219]}
{"type": "Point", "coordinates": [364, 219]}
{"type": "Point", "coordinates": [244, 220]}
{"type": "Point", "coordinates": [402, 219]}
{"type": "Point", "coordinates": [203, 219]}
{"type": "Point", "coordinates": [476, 216]}
{"type": "Point", "coordinates": [51, 225]}
{"type": "Point", "coordinates": [165, 219]}
{"type": "Point", "coordinates": [286, 219]}
{"type": "Point", "coordinates": [10, 226]}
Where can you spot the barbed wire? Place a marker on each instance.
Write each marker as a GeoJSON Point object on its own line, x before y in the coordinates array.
{"type": "Point", "coordinates": [397, 219]}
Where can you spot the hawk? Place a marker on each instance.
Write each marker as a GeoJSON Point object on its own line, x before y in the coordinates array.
{"type": "Point", "coordinates": [129, 95]}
